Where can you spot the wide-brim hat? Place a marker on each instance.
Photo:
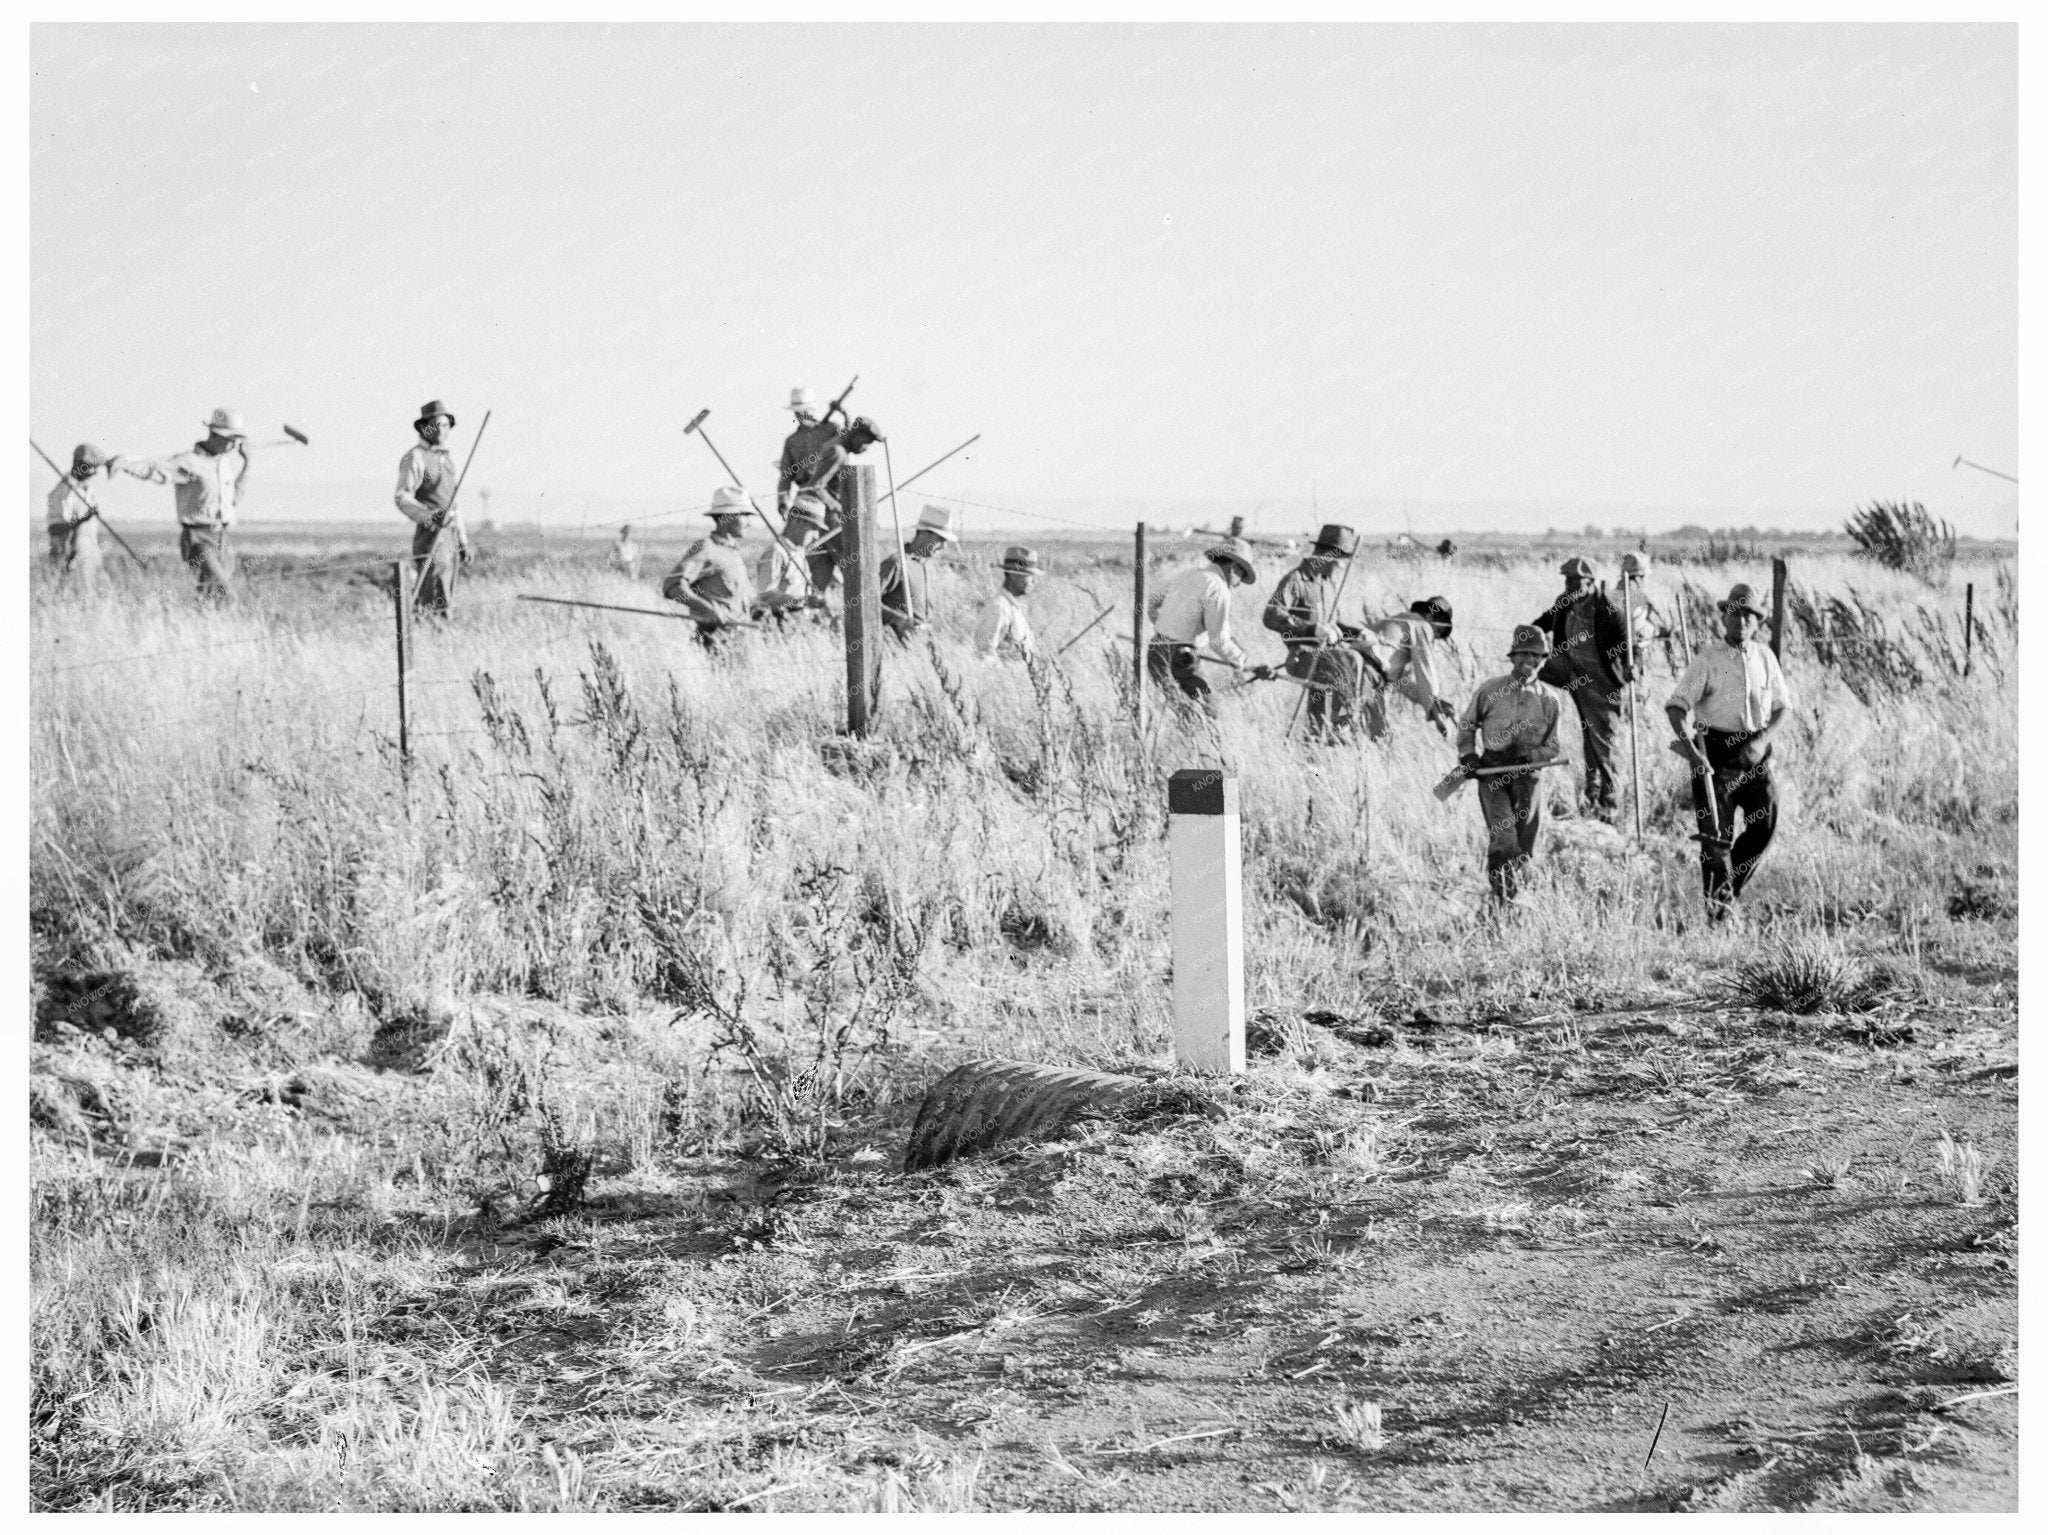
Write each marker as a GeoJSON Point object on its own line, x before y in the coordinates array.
{"type": "Point", "coordinates": [806, 506]}
{"type": "Point", "coordinates": [1578, 566]}
{"type": "Point", "coordinates": [226, 423]}
{"type": "Point", "coordinates": [88, 455]}
{"type": "Point", "coordinates": [1529, 640]}
{"type": "Point", "coordinates": [1634, 563]}
{"type": "Point", "coordinates": [1022, 560]}
{"type": "Point", "coordinates": [1238, 551]}
{"type": "Point", "coordinates": [729, 501]}
{"type": "Point", "coordinates": [1435, 609]}
{"type": "Point", "coordinates": [1336, 539]}
{"type": "Point", "coordinates": [430, 410]}
{"type": "Point", "coordinates": [800, 400]}
{"type": "Point", "coordinates": [938, 521]}
{"type": "Point", "coordinates": [1743, 599]}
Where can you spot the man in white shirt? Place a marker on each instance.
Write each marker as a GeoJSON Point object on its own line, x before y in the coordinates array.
{"type": "Point", "coordinates": [626, 554]}
{"type": "Point", "coordinates": [427, 478]}
{"type": "Point", "coordinates": [206, 484]}
{"type": "Point", "coordinates": [74, 521]}
{"type": "Point", "coordinates": [1736, 694]}
{"type": "Point", "coordinates": [1193, 605]}
{"type": "Point", "coordinates": [1004, 627]}
{"type": "Point", "coordinates": [781, 587]}
{"type": "Point", "coordinates": [1405, 647]}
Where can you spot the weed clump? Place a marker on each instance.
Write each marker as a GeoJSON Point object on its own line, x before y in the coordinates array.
{"type": "Point", "coordinates": [1903, 536]}
{"type": "Point", "coordinates": [1808, 975]}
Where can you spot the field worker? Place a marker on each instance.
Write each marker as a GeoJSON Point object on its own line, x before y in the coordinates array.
{"type": "Point", "coordinates": [1645, 622]}
{"type": "Point", "coordinates": [1303, 612]}
{"type": "Point", "coordinates": [74, 524]}
{"type": "Point", "coordinates": [779, 584]}
{"type": "Point", "coordinates": [710, 582]}
{"type": "Point", "coordinates": [206, 484]}
{"type": "Point", "coordinates": [1589, 660]}
{"type": "Point", "coordinates": [816, 469]}
{"type": "Point", "coordinates": [1195, 604]}
{"type": "Point", "coordinates": [1004, 628]}
{"type": "Point", "coordinates": [1737, 696]}
{"type": "Point", "coordinates": [426, 494]}
{"type": "Point", "coordinates": [800, 447]}
{"type": "Point", "coordinates": [899, 609]}
{"type": "Point", "coordinates": [1406, 647]}
{"type": "Point", "coordinates": [1511, 719]}
{"type": "Point", "coordinates": [626, 553]}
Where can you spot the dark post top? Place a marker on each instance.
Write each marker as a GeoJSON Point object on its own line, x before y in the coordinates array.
{"type": "Point", "coordinates": [1201, 791]}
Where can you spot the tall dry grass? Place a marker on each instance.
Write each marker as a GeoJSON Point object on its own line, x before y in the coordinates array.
{"type": "Point", "coordinates": [737, 931]}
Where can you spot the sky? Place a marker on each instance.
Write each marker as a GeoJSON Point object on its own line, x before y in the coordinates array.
{"type": "Point", "coordinates": [1446, 277]}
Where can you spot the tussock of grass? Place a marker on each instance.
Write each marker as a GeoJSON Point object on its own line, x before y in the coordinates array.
{"type": "Point", "coordinates": [1809, 974]}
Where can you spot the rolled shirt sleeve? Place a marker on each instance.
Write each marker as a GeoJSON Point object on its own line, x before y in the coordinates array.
{"type": "Point", "coordinates": [1216, 620]}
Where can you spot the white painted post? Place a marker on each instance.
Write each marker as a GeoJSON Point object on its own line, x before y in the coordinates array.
{"type": "Point", "coordinates": [1208, 920]}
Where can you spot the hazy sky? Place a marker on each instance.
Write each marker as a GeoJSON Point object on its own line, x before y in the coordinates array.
{"type": "Point", "coordinates": [1772, 270]}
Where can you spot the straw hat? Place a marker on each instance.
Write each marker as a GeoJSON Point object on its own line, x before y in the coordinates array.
{"type": "Point", "coordinates": [937, 520]}
{"type": "Point", "coordinates": [801, 403]}
{"type": "Point", "coordinates": [226, 423]}
{"type": "Point", "coordinates": [1022, 560]}
{"type": "Point", "coordinates": [806, 506]}
{"type": "Point", "coordinates": [88, 455]}
{"type": "Point", "coordinates": [729, 501]}
{"type": "Point", "coordinates": [1237, 551]}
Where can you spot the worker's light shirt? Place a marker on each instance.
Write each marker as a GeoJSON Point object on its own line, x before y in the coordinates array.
{"type": "Point", "coordinates": [626, 558]}
{"type": "Point", "coordinates": [1732, 687]}
{"type": "Point", "coordinates": [1516, 720]}
{"type": "Point", "coordinates": [1406, 646]}
{"type": "Point", "coordinates": [779, 579]}
{"type": "Point", "coordinates": [1194, 603]}
{"type": "Point", "coordinates": [717, 574]}
{"type": "Point", "coordinates": [1004, 625]}
{"type": "Point", "coordinates": [206, 487]}
{"type": "Point", "coordinates": [426, 484]}
{"type": "Point", "coordinates": [67, 503]}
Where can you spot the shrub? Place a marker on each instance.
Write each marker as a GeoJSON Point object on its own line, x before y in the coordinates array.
{"type": "Point", "coordinates": [1904, 537]}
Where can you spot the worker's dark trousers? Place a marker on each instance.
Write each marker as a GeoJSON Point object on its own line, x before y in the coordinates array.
{"type": "Point", "coordinates": [434, 563]}
{"type": "Point", "coordinates": [1342, 688]}
{"type": "Point", "coordinates": [205, 549]}
{"type": "Point", "coordinates": [1174, 666]}
{"type": "Point", "coordinates": [1724, 872]}
{"type": "Point", "coordinates": [1600, 704]}
{"type": "Point", "coordinates": [1512, 805]}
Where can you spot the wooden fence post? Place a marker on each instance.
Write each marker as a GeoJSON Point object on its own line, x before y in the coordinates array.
{"type": "Point", "coordinates": [401, 606]}
{"type": "Point", "coordinates": [856, 491]}
{"type": "Point", "coordinates": [1969, 622]}
{"type": "Point", "coordinates": [1635, 755]}
{"type": "Point", "coordinates": [1138, 635]}
{"type": "Point", "coordinates": [1778, 608]}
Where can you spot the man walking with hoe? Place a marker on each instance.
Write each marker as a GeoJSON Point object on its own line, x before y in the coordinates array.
{"type": "Point", "coordinates": [426, 494]}
{"type": "Point", "coordinates": [934, 531]}
{"type": "Point", "coordinates": [1589, 660]}
{"type": "Point", "coordinates": [1004, 627]}
{"type": "Point", "coordinates": [74, 520]}
{"type": "Point", "coordinates": [1511, 720]}
{"type": "Point", "coordinates": [710, 581]}
{"type": "Point", "coordinates": [1322, 652]}
{"type": "Point", "coordinates": [1195, 604]}
{"type": "Point", "coordinates": [1736, 694]}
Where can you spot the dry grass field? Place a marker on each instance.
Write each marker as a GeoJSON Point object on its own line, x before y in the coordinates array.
{"type": "Point", "coordinates": [526, 1135]}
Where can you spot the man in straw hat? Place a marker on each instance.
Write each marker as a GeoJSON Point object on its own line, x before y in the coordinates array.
{"type": "Point", "coordinates": [1511, 719]}
{"type": "Point", "coordinates": [74, 526]}
{"type": "Point", "coordinates": [427, 475]}
{"type": "Point", "coordinates": [899, 610]}
{"type": "Point", "coordinates": [710, 581]}
{"type": "Point", "coordinates": [1004, 627]}
{"type": "Point", "coordinates": [1303, 612]}
{"type": "Point", "coordinates": [1589, 660]}
{"type": "Point", "coordinates": [1194, 604]}
{"type": "Point", "coordinates": [780, 587]}
{"type": "Point", "coordinates": [1735, 693]}
{"type": "Point", "coordinates": [800, 447]}
{"type": "Point", "coordinates": [206, 484]}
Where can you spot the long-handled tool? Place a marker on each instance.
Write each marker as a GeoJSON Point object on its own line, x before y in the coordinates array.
{"type": "Point", "coordinates": [1070, 644]}
{"type": "Point", "coordinates": [291, 435]}
{"type": "Point", "coordinates": [420, 564]}
{"type": "Point", "coordinates": [93, 510]}
{"type": "Point", "coordinates": [838, 406]}
{"type": "Point", "coordinates": [1960, 461]}
{"type": "Point", "coordinates": [803, 566]}
{"type": "Point", "coordinates": [1457, 778]}
{"type": "Point", "coordinates": [613, 607]}
{"type": "Point", "coordinates": [1703, 778]}
{"type": "Point", "coordinates": [1316, 664]}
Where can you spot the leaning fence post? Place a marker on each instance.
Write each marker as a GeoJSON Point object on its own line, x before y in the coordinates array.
{"type": "Point", "coordinates": [1138, 636]}
{"type": "Point", "coordinates": [1969, 622]}
{"type": "Point", "coordinates": [1778, 608]}
{"type": "Point", "coordinates": [1207, 891]}
{"type": "Point", "coordinates": [399, 606]}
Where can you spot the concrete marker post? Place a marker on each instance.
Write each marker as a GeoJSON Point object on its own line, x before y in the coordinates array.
{"type": "Point", "coordinates": [1206, 862]}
